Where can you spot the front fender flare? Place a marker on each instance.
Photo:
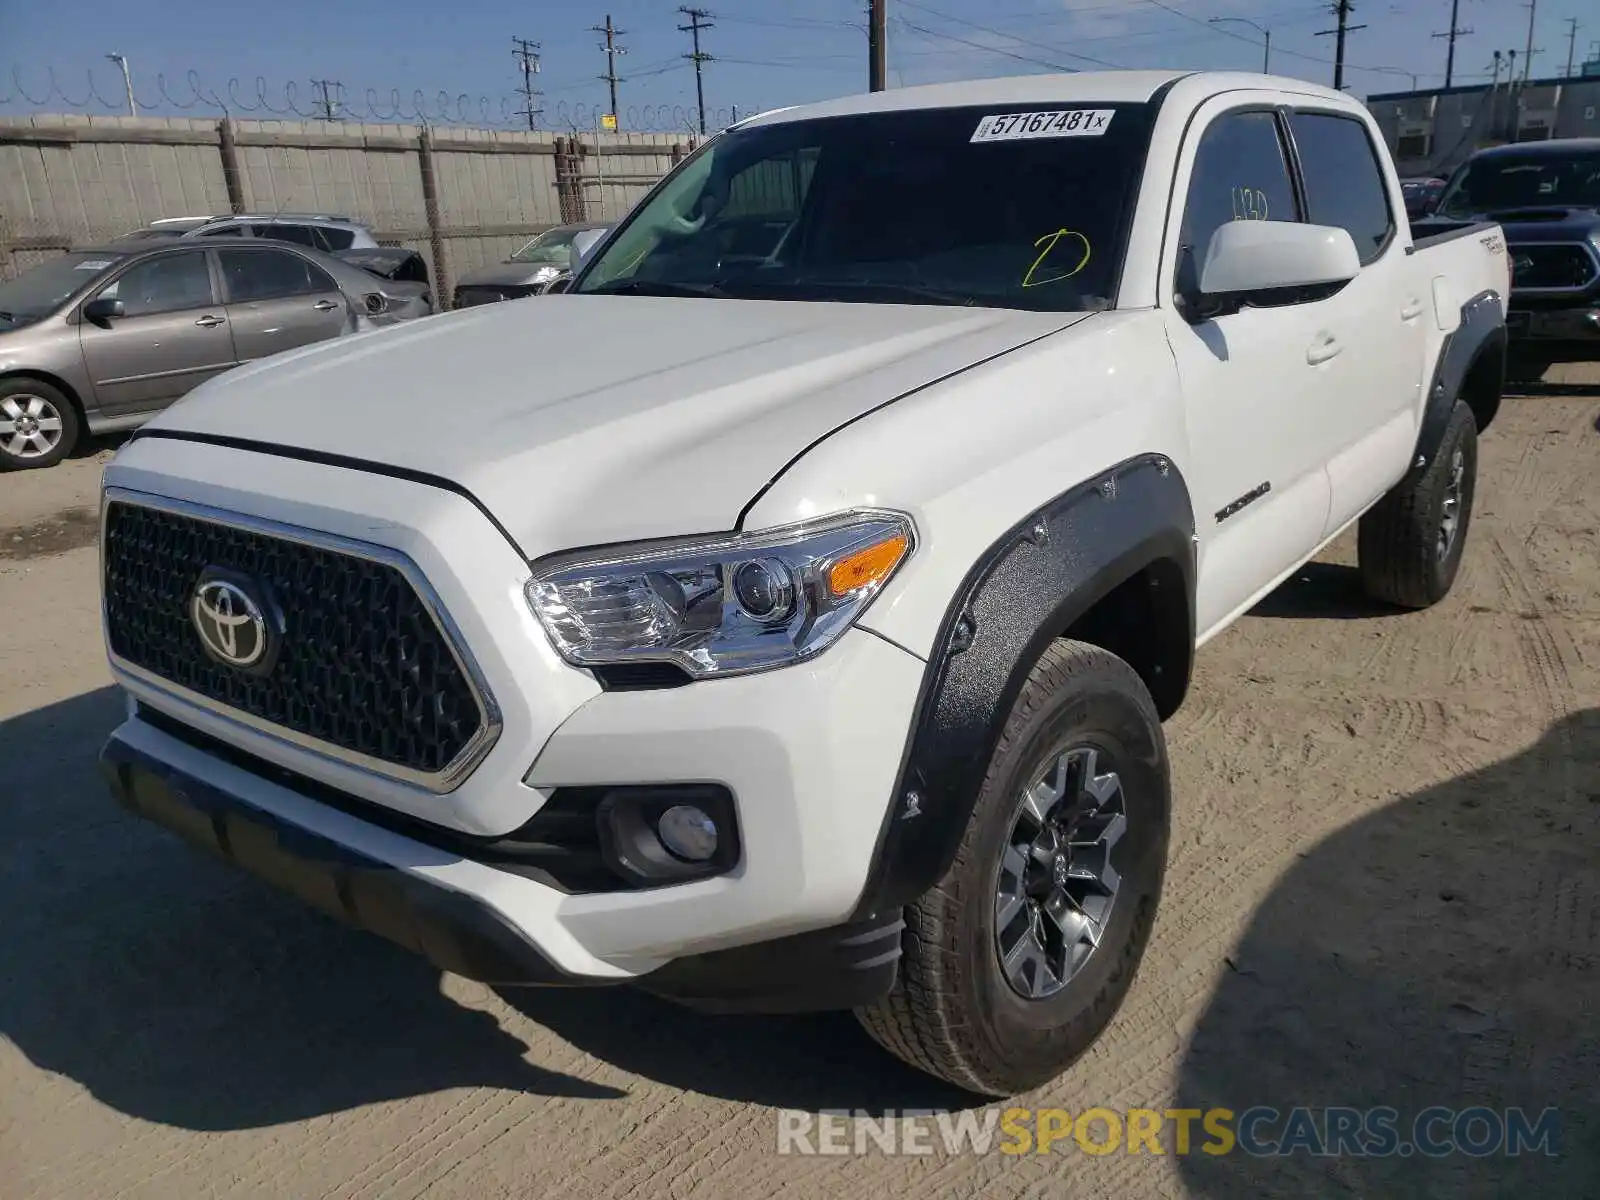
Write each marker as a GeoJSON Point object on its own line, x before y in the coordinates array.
{"type": "Point", "coordinates": [1028, 588]}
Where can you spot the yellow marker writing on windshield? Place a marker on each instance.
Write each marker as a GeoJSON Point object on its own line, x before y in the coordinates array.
{"type": "Point", "coordinates": [1049, 241]}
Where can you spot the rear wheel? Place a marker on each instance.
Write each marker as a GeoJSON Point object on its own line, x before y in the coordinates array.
{"type": "Point", "coordinates": [38, 425]}
{"type": "Point", "coordinates": [1410, 543]}
{"type": "Point", "coordinates": [1017, 960]}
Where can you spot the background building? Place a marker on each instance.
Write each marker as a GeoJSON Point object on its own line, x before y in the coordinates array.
{"type": "Point", "coordinates": [1430, 132]}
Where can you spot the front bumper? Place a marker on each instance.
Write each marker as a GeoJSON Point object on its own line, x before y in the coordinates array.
{"type": "Point", "coordinates": [462, 916]}
{"type": "Point", "coordinates": [1563, 334]}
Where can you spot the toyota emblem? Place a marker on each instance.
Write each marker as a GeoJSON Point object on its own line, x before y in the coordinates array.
{"type": "Point", "coordinates": [231, 622]}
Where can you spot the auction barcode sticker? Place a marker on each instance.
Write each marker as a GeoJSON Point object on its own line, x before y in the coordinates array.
{"type": "Point", "coordinates": [1069, 122]}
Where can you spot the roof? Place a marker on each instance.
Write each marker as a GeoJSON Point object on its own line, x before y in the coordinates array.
{"type": "Point", "coordinates": [328, 218]}
{"type": "Point", "coordinates": [1552, 148]}
{"type": "Point", "coordinates": [1081, 87]}
{"type": "Point", "coordinates": [1107, 86]}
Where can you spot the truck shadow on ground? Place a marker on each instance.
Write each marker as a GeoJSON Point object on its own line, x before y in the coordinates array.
{"type": "Point", "coordinates": [1322, 591]}
{"type": "Point", "coordinates": [1443, 951]}
{"type": "Point", "coordinates": [179, 990]}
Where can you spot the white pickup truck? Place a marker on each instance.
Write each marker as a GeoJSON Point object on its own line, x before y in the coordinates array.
{"type": "Point", "coordinates": [799, 634]}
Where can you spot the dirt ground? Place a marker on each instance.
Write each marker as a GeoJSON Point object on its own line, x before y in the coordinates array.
{"type": "Point", "coordinates": [1385, 890]}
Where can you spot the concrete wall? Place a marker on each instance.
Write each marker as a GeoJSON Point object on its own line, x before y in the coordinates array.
{"type": "Point", "coordinates": [70, 181]}
{"type": "Point", "coordinates": [1447, 126]}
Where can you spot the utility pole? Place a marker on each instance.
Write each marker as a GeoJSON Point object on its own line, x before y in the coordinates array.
{"type": "Point", "coordinates": [527, 54]}
{"type": "Point", "coordinates": [1341, 9]}
{"type": "Point", "coordinates": [1527, 56]}
{"type": "Point", "coordinates": [327, 96]}
{"type": "Point", "coordinates": [1572, 42]}
{"type": "Point", "coordinates": [612, 50]}
{"type": "Point", "coordinates": [877, 44]}
{"type": "Point", "coordinates": [1454, 32]}
{"type": "Point", "coordinates": [697, 22]}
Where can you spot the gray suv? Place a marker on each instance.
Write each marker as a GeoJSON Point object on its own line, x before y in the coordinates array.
{"type": "Point", "coordinates": [100, 340]}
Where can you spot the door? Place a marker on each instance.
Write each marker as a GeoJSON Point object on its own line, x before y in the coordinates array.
{"type": "Point", "coordinates": [1253, 380]}
{"type": "Point", "coordinates": [278, 300]}
{"type": "Point", "coordinates": [172, 337]}
{"type": "Point", "coordinates": [1377, 320]}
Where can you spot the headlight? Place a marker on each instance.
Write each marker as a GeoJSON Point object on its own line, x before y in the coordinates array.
{"type": "Point", "coordinates": [736, 604]}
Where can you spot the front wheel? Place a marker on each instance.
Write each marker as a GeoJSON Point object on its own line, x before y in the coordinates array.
{"type": "Point", "coordinates": [1015, 962]}
{"type": "Point", "coordinates": [38, 425]}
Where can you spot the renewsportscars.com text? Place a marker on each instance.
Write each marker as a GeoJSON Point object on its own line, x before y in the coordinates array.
{"type": "Point", "coordinates": [1434, 1132]}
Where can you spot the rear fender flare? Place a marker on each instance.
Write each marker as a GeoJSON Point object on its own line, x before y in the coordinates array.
{"type": "Point", "coordinates": [1482, 331]}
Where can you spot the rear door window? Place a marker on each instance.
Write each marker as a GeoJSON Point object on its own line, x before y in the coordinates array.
{"type": "Point", "coordinates": [1344, 185]}
{"type": "Point", "coordinates": [266, 274]}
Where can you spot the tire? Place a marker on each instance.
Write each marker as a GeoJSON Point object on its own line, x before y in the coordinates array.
{"type": "Point", "coordinates": [953, 1012]}
{"type": "Point", "coordinates": [1404, 554]}
{"type": "Point", "coordinates": [38, 425]}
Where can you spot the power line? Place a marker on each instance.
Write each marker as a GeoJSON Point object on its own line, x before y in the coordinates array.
{"type": "Point", "coordinates": [329, 96]}
{"type": "Point", "coordinates": [1454, 32]}
{"type": "Point", "coordinates": [697, 22]}
{"type": "Point", "coordinates": [1341, 9]}
{"type": "Point", "coordinates": [950, 37]}
{"type": "Point", "coordinates": [527, 53]}
{"type": "Point", "coordinates": [1021, 41]}
{"type": "Point", "coordinates": [612, 50]}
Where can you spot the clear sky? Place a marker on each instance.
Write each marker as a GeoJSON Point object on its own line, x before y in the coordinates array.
{"type": "Point", "coordinates": [766, 52]}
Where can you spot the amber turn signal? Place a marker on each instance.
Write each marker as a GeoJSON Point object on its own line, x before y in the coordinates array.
{"type": "Point", "coordinates": [867, 566]}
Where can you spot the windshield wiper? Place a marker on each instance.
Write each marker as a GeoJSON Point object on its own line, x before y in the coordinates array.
{"type": "Point", "coordinates": [654, 287]}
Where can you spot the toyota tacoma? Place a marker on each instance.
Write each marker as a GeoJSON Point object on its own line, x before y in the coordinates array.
{"type": "Point", "coordinates": [801, 635]}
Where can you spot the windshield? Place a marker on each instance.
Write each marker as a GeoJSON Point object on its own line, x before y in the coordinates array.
{"type": "Point", "coordinates": [1011, 208]}
{"type": "Point", "coordinates": [39, 292]}
{"type": "Point", "coordinates": [1503, 181]}
{"type": "Point", "coordinates": [549, 249]}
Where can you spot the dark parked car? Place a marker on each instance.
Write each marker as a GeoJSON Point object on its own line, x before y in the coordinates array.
{"type": "Point", "coordinates": [542, 261]}
{"type": "Point", "coordinates": [99, 340]}
{"type": "Point", "coordinates": [1546, 196]}
{"type": "Point", "coordinates": [1421, 195]}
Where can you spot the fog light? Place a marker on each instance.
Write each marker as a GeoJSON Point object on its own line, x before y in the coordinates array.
{"type": "Point", "coordinates": [688, 832]}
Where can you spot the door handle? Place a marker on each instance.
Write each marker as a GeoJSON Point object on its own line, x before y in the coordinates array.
{"type": "Point", "coordinates": [324, 306]}
{"type": "Point", "coordinates": [210, 321]}
{"type": "Point", "coordinates": [1412, 310]}
{"type": "Point", "coordinates": [1325, 347]}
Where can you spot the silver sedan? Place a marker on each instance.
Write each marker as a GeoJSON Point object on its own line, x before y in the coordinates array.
{"type": "Point", "coordinates": [99, 340]}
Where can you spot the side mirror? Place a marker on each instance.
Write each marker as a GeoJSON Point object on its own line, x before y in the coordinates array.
{"type": "Point", "coordinates": [580, 247]}
{"type": "Point", "coordinates": [1250, 257]}
{"type": "Point", "coordinates": [103, 308]}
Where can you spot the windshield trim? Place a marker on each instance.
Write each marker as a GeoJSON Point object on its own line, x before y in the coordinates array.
{"type": "Point", "coordinates": [1147, 111]}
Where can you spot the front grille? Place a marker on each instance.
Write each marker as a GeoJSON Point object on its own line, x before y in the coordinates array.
{"type": "Point", "coordinates": [363, 667]}
{"type": "Point", "coordinates": [1567, 267]}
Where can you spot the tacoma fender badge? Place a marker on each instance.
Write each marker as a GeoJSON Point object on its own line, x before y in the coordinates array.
{"type": "Point", "coordinates": [1250, 497]}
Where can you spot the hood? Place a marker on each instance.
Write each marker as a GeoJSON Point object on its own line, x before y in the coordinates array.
{"type": "Point", "coordinates": [1530, 223]}
{"type": "Point", "coordinates": [607, 418]}
{"type": "Point", "coordinates": [512, 273]}
{"type": "Point", "coordinates": [1563, 224]}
